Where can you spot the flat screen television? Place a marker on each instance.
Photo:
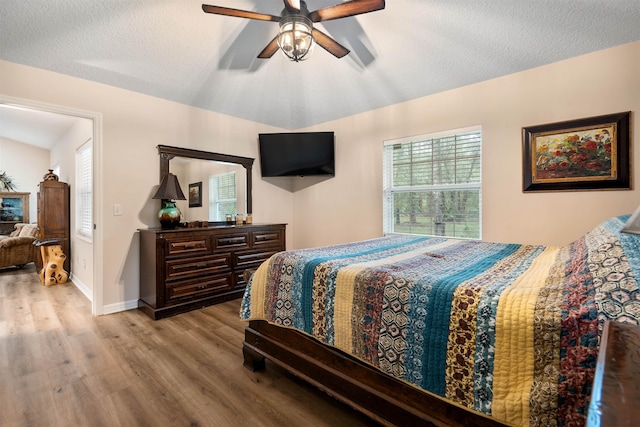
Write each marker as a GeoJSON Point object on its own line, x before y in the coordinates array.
{"type": "Point", "coordinates": [297, 154]}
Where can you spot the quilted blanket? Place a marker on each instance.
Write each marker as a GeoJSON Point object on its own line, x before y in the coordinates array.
{"type": "Point", "coordinates": [508, 330]}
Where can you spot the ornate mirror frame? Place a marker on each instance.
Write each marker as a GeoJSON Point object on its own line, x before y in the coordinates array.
{"type": "Point", "coordinates": [167, 153]}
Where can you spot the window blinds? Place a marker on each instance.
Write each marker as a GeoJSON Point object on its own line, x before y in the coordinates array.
{"type": "Point", "coordinates": [432, 184]}
{"type": "Point", "coordinates": [84, 191]}
{"type": "Point", "coordinates": [222, 196]}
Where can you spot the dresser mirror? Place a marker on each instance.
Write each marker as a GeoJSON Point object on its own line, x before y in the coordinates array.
{"type": "Point", "coordinates": [214, 184]}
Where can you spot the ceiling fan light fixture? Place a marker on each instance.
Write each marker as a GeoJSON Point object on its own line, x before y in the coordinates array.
{"type": "Point", "coordinates": [295, 38]}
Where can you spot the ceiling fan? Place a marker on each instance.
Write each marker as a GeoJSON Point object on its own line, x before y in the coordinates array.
{"type": "Point", "coordinates": [297, 35]}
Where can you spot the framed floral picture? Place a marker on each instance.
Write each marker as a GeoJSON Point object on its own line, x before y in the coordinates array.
{"type": "Point", "coordinates": [583, 154]}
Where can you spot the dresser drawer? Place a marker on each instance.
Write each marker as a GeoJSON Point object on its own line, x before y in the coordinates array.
{"type": "Point", "coordinates": [232, 241]}
{"type": "Point", "coordinates": [189, 268]}
{"type": "Point", "coordinates": [239, 274]}
{"type": "Point", "coordinates": [243, 260]}
{"type": "Point", "coordinates": [268, 238]}
{"type": "Point", "coordinates": [213, 264]}
{"type": "Point", "coordinates": [198, 288]}
{"type": "Point", "coordinates": [192, 246]}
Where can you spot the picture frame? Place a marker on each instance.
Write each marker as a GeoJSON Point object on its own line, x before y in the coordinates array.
{"type": "Point", "coordinates": [577, 155]}
{"type": "Point", "coordinates": [14, 208]}
{"type": "Point", "coordinates": [195, 195]}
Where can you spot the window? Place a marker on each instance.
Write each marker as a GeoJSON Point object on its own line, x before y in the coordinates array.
{"type": "Point", "coordinates": [84, 191]}
{"type": "Point", "coordinates": [432, 184]}
{"type": "Point", "coordinates": [222, 196]}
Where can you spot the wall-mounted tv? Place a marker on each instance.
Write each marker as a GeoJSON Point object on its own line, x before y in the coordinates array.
{"type": "Point", "coordinates": [297, 154]}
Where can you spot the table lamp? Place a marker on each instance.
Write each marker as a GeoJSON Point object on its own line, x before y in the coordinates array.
{"type": "Point", "coordinates": [169, 191]}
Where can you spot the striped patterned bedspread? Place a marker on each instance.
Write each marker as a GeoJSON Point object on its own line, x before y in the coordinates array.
{"type": "Point", "coordinates": [504, 329]}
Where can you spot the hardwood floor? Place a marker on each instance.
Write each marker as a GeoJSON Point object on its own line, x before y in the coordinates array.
{"type": "Point", "coordinates": [60, 366]}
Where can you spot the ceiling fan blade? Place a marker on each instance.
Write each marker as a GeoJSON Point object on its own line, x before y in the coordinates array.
{"type": "Point", "coordinates": [218, 10]}
{"type": "Point", "coordinates": [343, 10]}
{"type": "Point", "coordinates": [271, 48]}
{"type": "Point", "coordinates": [329, 44]}
{"type": "Point", "coordinates": [292, 4]}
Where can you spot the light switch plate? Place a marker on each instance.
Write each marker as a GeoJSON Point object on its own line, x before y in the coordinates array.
{"type": "Point", "coordinates": [117, 210]}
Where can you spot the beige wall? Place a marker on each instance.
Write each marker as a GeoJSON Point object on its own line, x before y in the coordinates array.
{"type": "Point", "coordinates": [63, 153]}
{"type": "Point", "coordinates": [25, 164]}
{"type": "Point", "coordinates": [133, 125]}
{"type": "Point", "coordinates": [349, 206]}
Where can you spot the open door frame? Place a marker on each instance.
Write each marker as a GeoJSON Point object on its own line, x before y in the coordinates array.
{"type": "Point", "coordinates": [97, 304]}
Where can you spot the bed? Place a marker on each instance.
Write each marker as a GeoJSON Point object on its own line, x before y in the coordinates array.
{"type": "Point", "coordinates": [431, 331]}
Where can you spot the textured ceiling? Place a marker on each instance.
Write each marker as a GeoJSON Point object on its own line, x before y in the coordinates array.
{"type": "Point", "coordinates": [34, 127]}
{"type": "Point", "coordinates": [172, 50]}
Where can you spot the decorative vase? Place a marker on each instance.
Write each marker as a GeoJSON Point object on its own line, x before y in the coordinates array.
{"type": "Point", "coordinates": [50, 176]}
{"type": "Point", "coordinates": [169, 215]}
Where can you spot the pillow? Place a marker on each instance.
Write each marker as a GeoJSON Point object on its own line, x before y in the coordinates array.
{"type": "Point", "coordinates": [29, 230]}
{"type": "Point", "coordinates": [25, 230]}
{"type": "Point", "coordinates": [16, 230]}
{"type": "Point", "coordinates": [633, 223]}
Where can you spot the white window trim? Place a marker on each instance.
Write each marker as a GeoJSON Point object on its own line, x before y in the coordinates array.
{"type": "Point", "coordinates": [433, 135]}
{"type": "Point", "coordinates": [213, 202]}
{"type": "Point", "coordinates": [81, 232]}
{"type": "Point", "coordinates": [387, 178]}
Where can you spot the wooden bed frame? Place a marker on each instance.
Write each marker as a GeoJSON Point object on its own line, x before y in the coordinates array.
{"type": "Point", "coordinates": [616, 387]}
{"type": "Point", "coordinates": [383, 398]}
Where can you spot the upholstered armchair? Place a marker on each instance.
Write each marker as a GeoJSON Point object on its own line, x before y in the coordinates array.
{"type": "Point", "coordinates": [17, 248]}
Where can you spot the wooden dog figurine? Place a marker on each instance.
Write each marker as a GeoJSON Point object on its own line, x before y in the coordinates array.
{"type": "Point", "coordinates": [52, 262]}
{"type": "Point", "coordinates": [52, 268]}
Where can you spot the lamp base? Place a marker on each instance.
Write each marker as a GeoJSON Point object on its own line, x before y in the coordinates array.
{"type": "Point", "coordinates": [169, 215]}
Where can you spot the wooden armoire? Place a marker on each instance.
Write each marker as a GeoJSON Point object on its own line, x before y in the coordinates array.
{"type": "Point", "coordinates": [53, 215]}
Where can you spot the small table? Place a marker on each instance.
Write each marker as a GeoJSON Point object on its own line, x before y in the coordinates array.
{"type": "Point", "coordinates": [52, 261]}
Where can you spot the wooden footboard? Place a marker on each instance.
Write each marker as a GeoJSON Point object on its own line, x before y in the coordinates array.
{"type": "Point", "coordinates": [616, 387]}
{"type": "Point", "coordinates": [381, 397]}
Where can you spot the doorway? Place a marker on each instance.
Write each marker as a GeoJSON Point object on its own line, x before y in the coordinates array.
{"type": "Point", "coordinates": [86, 271]}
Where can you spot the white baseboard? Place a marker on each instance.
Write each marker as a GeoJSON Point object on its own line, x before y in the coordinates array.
{"type": "Point", "coordinates": [107, 309]}
{"type": "Point", "coordinates": [120, 306]}
{"type": "Point", "coordinates": [87, 291]}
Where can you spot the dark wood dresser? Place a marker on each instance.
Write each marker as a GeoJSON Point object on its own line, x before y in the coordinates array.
{"type": "Point", "coordinates": [190, 268]}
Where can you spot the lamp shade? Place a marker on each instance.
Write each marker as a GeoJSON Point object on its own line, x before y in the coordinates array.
{"type": "Point", "coordinates": [170, 189]}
